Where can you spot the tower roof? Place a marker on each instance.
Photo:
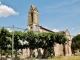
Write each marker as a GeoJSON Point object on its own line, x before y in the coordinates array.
{"type": "Point", "coordinates": [33, 8]}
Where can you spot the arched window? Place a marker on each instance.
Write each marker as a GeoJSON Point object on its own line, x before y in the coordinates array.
{"type": "Point", "coordinates": [32, 17]}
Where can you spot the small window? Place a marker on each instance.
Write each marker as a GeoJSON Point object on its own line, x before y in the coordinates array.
{"type": "Point", "coordinates": [31, 27]}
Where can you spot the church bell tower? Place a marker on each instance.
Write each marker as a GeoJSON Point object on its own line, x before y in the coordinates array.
{"type": "Point", "coordinates": [33, 19]}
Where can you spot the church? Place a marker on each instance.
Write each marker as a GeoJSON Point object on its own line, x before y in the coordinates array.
{"type": "Point", "coordinates": [33, 25]}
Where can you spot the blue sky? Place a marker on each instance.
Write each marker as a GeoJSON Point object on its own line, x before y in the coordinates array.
{"type": "Point", "coordinates": [55, 15]}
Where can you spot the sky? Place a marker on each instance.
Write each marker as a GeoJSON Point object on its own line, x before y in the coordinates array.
{"type": "Point", "coordinates": [56, 15]}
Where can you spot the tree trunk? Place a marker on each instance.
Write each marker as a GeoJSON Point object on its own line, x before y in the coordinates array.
{"type": "Point", "coordinates": [31, 53]}
{"type": "Point", "coordinates": [44, 55]}
{"type": "Point", "coordinates": [0, 54]}
{"type": "Point", "coordinates": [7, 53]}
{"type": "Point", "coordinates": [15, 54]}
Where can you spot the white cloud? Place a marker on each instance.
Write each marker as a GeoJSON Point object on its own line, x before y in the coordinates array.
{"type": "Point", "coordinates": [6, 11]}
{"type": "Point", "coordinates": [55, 30]}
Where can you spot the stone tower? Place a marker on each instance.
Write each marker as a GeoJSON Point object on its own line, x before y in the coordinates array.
{"type": "Point", "coordinates": [33, 19]}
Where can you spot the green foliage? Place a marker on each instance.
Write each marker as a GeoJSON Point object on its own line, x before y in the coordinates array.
{"type": "Point", "coordinates": [76, 42]}
{"type": "Point", "coordinates": [17, 37]}
{"type": "Point", "coordinates": [9, 41]}
{"type": "Point", "coordinates": [3, 34]}
{"type": "Point", "coordinates": [8, 51]}
{"type": "Point", "coordinates": [44, 40]}
{"type": "Point", "coordinates": [41, 40]}
{"type": "Point", "coordinates": [47, 40]}
{"type": "Point", "coordinates": [60, 38]}
{"type": "Point", "coordinates": [31, 38]}
{"type": "Point", "coordinates": [3, 52]}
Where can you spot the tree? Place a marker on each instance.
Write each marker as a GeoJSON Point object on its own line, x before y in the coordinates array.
{"type": "Point", "coordinates": [50, 43]}
{"type": "Point", "coordinates": [9, 45]}
{"type": "Point", "coordinates": [0, 46]}
{"type": "Point", "coordinates": [31, 38]}
{"type": "Point", "coordinates": [60, 39]}
{"type": "Point", "coordinates": [76, 42]}
{"type": "Point", "coordinates": [24, 39]}
{"type": "Point", "coordinates": [17, 37]}
{"type": "Point", "coordinates": [46, 41]}
{"type": "Point", "coordinates": [3, 34]}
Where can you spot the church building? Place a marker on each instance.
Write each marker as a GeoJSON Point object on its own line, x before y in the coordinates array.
{"type": "Point", "coordinates": [33, 25]}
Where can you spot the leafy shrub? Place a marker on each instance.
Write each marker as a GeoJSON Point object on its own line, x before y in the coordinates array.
{"type": "Point", "coordinates": [9, 52]}
{"type": "Point", "coordinates": [3, 52]}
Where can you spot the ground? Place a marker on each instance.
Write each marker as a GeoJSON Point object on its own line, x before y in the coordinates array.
{"type": "Point", "coordinates": [56, 58]}
{"type": "Point", "coordinates": [66, 58]}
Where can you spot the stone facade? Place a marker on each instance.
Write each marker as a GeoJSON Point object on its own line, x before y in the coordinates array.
{"type": "Point", "coordinates": [33, 25]}
{"type": "Point", "coordinates": [26, 52]}
{"type": "Point", "coordinates": [64, 49]}
{"type": "Point", "coordinates": [58, 49]}
{"type": "Point", "coordinates": [68, 44]}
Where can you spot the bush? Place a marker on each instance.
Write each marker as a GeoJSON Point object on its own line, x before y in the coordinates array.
{"type": "Point", "coordinates": [3, 52]}
{"type": "Point", "coordinates": [9, 52]}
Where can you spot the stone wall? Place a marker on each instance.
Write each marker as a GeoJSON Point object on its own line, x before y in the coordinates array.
{"type": "Point", "coordinates": [58, 49]}
{"type": "Point", "coordinates": [26, 53]}
{"type": "Point", "coordinates": [68, 51]}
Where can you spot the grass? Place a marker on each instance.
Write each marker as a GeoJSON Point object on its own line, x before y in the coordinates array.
{"type": "Point", "coordinates": [62, 58]}
{"type": "Point", "coordinates": [66, 58]}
